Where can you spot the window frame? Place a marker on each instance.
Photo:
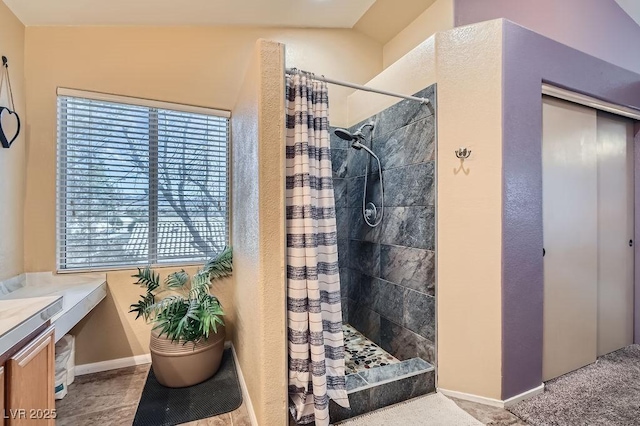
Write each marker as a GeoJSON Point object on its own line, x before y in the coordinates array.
{"type": "Point", "coordinates": [153, 105]}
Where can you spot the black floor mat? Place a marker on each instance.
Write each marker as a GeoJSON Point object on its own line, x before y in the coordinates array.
{"type": "Point", "coordinates": [161, 406]}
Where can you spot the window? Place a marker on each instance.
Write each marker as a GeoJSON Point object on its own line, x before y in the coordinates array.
{"type": "Point", "coordinates": [139, 182]}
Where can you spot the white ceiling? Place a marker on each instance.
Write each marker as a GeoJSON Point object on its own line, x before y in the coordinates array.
{"type": "Point", "coordinates": [632, 7]}
{"type": "Point", "coordinates": [288, 13]}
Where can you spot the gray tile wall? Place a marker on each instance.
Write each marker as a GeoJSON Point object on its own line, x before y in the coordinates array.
{"type": "Point", "coordinates": [388, 273]}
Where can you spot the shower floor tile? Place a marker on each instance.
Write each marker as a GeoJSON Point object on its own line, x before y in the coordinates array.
{"type": "Point", "coordinates": [362, 354]}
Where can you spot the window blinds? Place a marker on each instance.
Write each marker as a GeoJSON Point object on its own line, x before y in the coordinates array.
{"type": "Point", "coordinates": [139, 184]}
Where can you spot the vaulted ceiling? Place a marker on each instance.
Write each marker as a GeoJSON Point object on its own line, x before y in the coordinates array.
{"type": "Point", "coordinates": [287, 13]}
{"type": "Point", "coordinates": [379, 19]}
{"type": "Point", "coordinates": [632, 7]}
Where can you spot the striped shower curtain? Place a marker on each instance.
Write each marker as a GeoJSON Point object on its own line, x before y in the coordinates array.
{"type": "Point", "coordinates": [316, 343]}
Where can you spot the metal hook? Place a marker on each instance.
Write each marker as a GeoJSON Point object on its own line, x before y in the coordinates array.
{"type": "Point", "coordinates": [463, 153]}
{"type": "Point", "coordinates": [4, 61]}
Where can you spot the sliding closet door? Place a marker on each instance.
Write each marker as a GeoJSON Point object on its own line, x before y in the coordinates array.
{"type": "Point", "coordinates": [615, 231]}
{"type": "Point", "coordinates": [570, 225]}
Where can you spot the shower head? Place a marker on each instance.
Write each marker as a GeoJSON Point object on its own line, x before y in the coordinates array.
{"type": "Point", "coordinates": [345, 135]}
{"type": "Point", "coordinates": [355, 137]}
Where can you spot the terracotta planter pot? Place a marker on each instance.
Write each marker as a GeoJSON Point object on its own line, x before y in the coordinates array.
{"type": "Point", "coordinates": [178, 365]}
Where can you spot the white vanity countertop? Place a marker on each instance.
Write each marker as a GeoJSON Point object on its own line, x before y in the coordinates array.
{"type": "Point", "coordinates": [76, 296]}
{"type": "Point", "coordinates": [21, 317]}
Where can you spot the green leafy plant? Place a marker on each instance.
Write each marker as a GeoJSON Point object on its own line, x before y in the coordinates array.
{"type": "Point", "coordinates": [187, 311]}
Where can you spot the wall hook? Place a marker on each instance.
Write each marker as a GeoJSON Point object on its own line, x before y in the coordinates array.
{"type": "Point", "coordinates": [8, 113]}
{"type": "Point", "coordinates": [463, 153]}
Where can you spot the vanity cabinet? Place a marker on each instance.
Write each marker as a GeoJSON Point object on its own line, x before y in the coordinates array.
{"type": "Point", "coordinates": [2, 395]}
{"type": "Point", "coordinates": [29, 378]}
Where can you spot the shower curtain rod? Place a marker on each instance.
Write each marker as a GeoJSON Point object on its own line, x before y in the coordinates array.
{"type": "Point", "coordinates": [292, 71]}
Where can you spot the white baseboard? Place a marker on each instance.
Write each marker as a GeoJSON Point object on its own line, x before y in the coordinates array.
{"type": "Point", "coordinates": [524, 395]}
{"type": "Point", "coordinates": [112, 364]}
{"type": "Point", "coordinates": [245, 391]}
{"type": "Point", "coordinates": [506, 403]}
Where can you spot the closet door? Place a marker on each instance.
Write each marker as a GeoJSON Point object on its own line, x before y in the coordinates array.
{"type": "Point", "coordinates": [570, 226]}
{"type": "Point", "coordinates": [615, 231]}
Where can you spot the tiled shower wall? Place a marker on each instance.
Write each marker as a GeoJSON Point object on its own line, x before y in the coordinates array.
{"type": "Point", "coordinates": [388, 273]}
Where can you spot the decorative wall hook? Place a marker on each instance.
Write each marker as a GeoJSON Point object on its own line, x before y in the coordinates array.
{"type": "Point", "coordinates": [463, 153]}
{"type": "Point", "coordinates": [9, 118]}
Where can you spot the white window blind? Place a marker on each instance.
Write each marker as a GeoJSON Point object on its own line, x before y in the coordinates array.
{"type": "Point", "coordinates": [139, 184]}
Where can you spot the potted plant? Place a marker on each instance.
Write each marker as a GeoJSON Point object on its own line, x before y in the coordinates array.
{"type": "Point", "coordinates": [188, 334]}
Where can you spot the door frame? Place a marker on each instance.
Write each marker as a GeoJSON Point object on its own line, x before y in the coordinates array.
{"type": "Point", "coordinates": [589, 101]}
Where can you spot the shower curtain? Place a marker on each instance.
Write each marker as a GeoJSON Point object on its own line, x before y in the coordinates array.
{"type": "Point", "coordinates": [316, 343]}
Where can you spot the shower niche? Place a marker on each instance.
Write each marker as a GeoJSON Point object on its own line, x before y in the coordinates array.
{"type": "Point", "coordinates": [387, 270]}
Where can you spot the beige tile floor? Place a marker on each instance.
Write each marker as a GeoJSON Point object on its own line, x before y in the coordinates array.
{"type": "Point", "coordinates": [490, 416]}
{"type": "Point", "coordinates": [111, 399]}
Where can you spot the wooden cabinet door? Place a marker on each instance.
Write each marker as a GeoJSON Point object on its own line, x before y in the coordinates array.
{"type": "Point", "coordinates": [2, 395]}
{"type": "Point", "coordinates": [30, 382]}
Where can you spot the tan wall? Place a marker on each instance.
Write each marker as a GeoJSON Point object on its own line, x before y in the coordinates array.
{"type": "Point", "coordinates": [197, 66]}
{"type": "Point", "coordinates": [191, 65]}
{"type": "Point", "coordinates": [259, 233]}
{"type": "Point", "coordinates": [469, 210]}
{"type": "Point", "coordinates": [412, 73]}
{"type": "Point", "coordinates": [438, 17]}
{"type": "Point", "coordinates": [469, 207]}
{"type": "Point", "coordinates": [110, 332]}
{"type": "Point", "coordinates": [203, 66]}
{"type": "Point", "coordinates": [384, 19]}
{"type": "Point", "coordinates": [12, 161]}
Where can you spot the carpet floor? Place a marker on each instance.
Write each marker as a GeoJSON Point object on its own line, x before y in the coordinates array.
{"type": "Point", "coordinates": [604, 393]}
{"type": "Point", "coordinates": [431, 410]}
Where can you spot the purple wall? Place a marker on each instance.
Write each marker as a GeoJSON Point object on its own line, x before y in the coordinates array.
{"type": "Point", "coordinates": [598, 27]}
{"type": "Point", "coordinates": [636, 239]}
{"type": "Point", "coordinates": [530, 59]}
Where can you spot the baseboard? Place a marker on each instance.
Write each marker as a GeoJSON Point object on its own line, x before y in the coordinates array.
{"type": "Point", "coordinates": [245, 391]}
{"type": "Point", "coordinates": [524, 395]}
{"type": "Point", "coordinates": [506, 403]}
{"type": "Point", "coordinates": [112, 364]}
